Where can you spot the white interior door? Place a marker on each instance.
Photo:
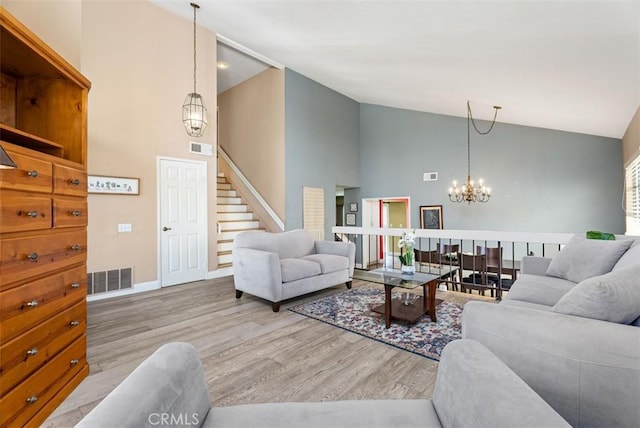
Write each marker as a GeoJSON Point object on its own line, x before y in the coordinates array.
{"type": "Point", "coordinates": [182, 221]}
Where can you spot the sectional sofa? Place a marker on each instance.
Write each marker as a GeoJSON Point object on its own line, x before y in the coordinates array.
{"type": "Point", "coordinates": [569, 328]}
{"type": "Point", "coordinates": [169, 389]}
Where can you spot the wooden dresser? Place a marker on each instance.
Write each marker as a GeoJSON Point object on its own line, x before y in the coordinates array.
{"type": "Point", "coordinates": [43, 227]}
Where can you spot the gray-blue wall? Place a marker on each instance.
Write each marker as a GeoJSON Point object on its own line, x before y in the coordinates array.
{"type": "Point", "coordinates": [322, 145]}
{"type": "Point", "coordinates": [542, 180]}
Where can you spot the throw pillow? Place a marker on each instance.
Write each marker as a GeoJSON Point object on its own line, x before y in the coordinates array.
{"type": "Point", "coordinates": [583, 258]}
{"type": "Point", "coordinates": [631, 257]}
{"type": "Point", "coordinates": [612, 297]}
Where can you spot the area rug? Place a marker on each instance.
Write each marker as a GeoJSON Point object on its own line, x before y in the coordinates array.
{"type": "Point", "coordinates": [351, 310]}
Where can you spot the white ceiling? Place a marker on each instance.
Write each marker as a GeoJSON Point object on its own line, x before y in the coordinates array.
{"type": "Point", "coordinates": [569, 65]}
{"type": "Point", "coordinates": [241, 67]}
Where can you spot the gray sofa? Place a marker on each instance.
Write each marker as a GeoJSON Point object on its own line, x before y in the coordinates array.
{"type": "Point", "coordinates": [280, 266]}
{"type": "Point", "coordinates": [473, 389]}
{"type": "Point", "coordinates": [575, 341]}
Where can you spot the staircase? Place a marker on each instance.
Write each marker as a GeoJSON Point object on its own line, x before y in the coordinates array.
{"type": "Point", "coordinates": [233, 217]}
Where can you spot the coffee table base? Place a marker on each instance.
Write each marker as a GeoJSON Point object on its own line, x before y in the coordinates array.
{"type": "Point", "coordinates": [408, 313]}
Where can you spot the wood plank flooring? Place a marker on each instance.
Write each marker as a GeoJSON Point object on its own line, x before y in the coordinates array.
{"type": "Point", "coordinates": [249, 353]}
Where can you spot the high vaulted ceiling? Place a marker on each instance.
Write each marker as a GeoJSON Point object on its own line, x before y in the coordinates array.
{"type": "Point", "coordinates": [568, 65]}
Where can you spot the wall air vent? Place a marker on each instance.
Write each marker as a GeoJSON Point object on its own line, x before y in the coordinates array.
{"type": "Point", "coordinates": [430, 176]}
{"type": "Point", "coordinates": [201, 148]}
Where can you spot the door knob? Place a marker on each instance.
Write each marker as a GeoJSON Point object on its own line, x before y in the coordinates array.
{"type": "Point", "coordinates": [165, 228]}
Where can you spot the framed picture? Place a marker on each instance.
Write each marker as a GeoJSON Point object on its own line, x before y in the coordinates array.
{"type": "Point", "coordinates": [353, 207]}
{"type": "Point", "coordinates": [113, 185]}
{"type": "Point", "coordinates": [431, 217]}
{"type": "Point", "coordinates": [351, 219]}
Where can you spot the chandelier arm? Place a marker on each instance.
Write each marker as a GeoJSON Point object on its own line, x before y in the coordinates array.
{"type": "Point", "coordinates": [495, 115]}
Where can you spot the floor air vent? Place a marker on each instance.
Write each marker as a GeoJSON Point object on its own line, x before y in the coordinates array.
{"type": "Point", "coordinates": [109, 280]}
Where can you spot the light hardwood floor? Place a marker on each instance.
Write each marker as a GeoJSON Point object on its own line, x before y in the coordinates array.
{"type": "Point", "coordinates": [249, 353]}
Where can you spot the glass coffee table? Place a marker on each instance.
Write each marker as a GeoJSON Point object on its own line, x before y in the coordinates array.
{"type": "Point", "coordinates": [412, 311]}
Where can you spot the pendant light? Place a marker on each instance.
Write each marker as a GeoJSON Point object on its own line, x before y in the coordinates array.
{"type": "Point", "coordinates": [194, 113]}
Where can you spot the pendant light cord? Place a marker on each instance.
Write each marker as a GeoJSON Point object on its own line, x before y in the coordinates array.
{"type": "Point", "coordinates": [195, 8]}
{"type": "Point", "coordinates": [470, 116]}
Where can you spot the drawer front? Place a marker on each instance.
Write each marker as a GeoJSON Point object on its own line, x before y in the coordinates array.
{"type": "Point", "coordinates": [69, 181]}
{"type": "Point", "coordinates": [69, 212]}
{"type": "Point", "coordinates": [25, 400]}
{"type": "Point", "coordinates": [24, 355]}
{"type": "Point", "coordinates": [28, 305]}
{"type": "Point", "coordinates": [21, 213]}
{"type": "Point", "coordinates": [33, 175]}
{"type": "Point", "coordinates": [26, 257]}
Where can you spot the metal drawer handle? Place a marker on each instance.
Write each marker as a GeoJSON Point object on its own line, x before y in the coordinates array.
{"type": "Point", "coordinates": [32, 399]}
{"type": "Point", "coordinates": [74, 362]}
{"type": "Point", "coordinates": [74, 182]}
{"type": "Point", "coordinates": [75, 247]}
{"type": "Point", "coordinates": [32, 214]}
{"type": "Point", "coordinates": [33, 173]}
{"type": "Point", "coordinates": [32, 304]}
{"type": "Point", "coordinates": [75, 213]}
{"type": "Point", "coordinates": [33, 256]}
{"type": "Point", "coordinates": [74, 323]}
{"type": "Point", "coordinates": [31, 352]}
{"type": "Point", "coordinates": [75, 285]}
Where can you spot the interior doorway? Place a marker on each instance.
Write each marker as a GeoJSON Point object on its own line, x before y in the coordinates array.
{"type": "Point", "coordinates": [182, 221]}
{"type": "Point", "coordinates": [385, 213]}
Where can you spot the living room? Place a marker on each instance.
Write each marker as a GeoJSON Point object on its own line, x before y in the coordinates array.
{"type": "Point", "coordinates": [545, 180]}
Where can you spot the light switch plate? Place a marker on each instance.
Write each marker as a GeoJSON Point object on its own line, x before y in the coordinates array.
{"type": "Point", "coordinates": [125, 227]}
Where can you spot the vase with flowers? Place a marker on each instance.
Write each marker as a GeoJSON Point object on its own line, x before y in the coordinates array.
{"type": "Point", "coordinates": [407, 260]}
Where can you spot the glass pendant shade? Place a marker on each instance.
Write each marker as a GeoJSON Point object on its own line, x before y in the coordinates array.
{"type": "Point", "coordinates": [194, 115]}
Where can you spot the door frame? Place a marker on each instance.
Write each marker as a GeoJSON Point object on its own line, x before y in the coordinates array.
{"type": "Point", "coordinates": [374, 205]}
{"type": "Point", "coordinates": [204, 164]}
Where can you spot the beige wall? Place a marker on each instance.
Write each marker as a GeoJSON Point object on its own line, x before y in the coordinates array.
{"type": "Point", "coordinates": [251, 120]}
{"type": "Point", "coordinates": [58, 23]}
{"type": "Point", "coordinates": [631, 139]}
{"type": "Point", "coordinates": [140, 62]}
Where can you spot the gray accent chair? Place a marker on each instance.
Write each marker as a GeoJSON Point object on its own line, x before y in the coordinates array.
{"type": "Point", "coordinates": [473, 389]}
{"type": "Point", "coordinates": [587, 369]}
{"type": "Point", "coordinates": [280, 266]}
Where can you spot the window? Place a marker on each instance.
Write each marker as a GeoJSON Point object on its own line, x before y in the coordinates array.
{"type": "Point", "coordinates": [632, 197]}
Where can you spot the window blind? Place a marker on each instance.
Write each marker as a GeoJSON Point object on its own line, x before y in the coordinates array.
{"type": "Point", "coordinates": [313, 211]}
{"type": "Point", "coordinates": [632, 197]}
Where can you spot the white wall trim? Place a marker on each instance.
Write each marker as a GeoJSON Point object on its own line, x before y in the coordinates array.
{"type": "Point", "coordinates": [220, 273]}
{"type": "Point", "coordinates": [251, 189]}
{"type": "Point", "coordinates": [245, 50]}
{"type": "Point", "coordinates": [137, 288]}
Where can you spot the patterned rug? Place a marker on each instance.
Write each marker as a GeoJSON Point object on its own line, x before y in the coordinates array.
{"type": "Point", "coordinates": [350, 310]}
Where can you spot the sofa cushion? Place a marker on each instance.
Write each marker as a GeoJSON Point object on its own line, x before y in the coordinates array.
{"type": "Point", "coordinates": [295, 243]}
{"type": "Point", "coordinates": [351, 413]}
{"type": "Point", "coordinates": [583, 258]}
{"type": "Point", "coordinates": [612, 297]}
{"type": "Point", "coordinates": [631, 257]}
{"type": "Point", "coordinates": [543, 290]}
{"type": "Point", "coordinates": [295, 269]}
{"type": "Point", "coordinates": [329, 262]}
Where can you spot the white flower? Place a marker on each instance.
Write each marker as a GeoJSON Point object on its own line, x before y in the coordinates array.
{"type": "Point", "coordinates": [408, 239]}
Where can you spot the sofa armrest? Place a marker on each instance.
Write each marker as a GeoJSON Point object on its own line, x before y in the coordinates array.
{"type": "Point", "coordinates": [346, 249]}
{"type": "Point", "coordinates": [257, 272]}
{"type": "Point", "coordinates": [587, 370]}
{"type": "Point", "coordinates": [475, 389]}
{"type": "Point", "coordinates": [535, 265]}
{"type": "Point", "coordinates": [169, 384]}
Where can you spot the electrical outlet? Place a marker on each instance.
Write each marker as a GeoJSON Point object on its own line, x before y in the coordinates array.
{"type": "Point", "coordinates": [125, 227]}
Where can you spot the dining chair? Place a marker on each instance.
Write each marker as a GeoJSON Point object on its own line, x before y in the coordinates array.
{"type": "Point", "coordinates": [474, 266]}
{"type": "Point", "coordinates": [494, 265]}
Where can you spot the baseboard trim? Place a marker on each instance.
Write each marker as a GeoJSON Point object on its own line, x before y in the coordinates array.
{"type": "Point", "coordinates": [220, 273]}
{"type": "Point", "coordinates": [137, 288]}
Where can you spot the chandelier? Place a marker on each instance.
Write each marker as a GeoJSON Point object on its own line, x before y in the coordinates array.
{"type": "Point", "coordinates": [194, 113]}
{"type": "Point", "coordinates": [472, 191]}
